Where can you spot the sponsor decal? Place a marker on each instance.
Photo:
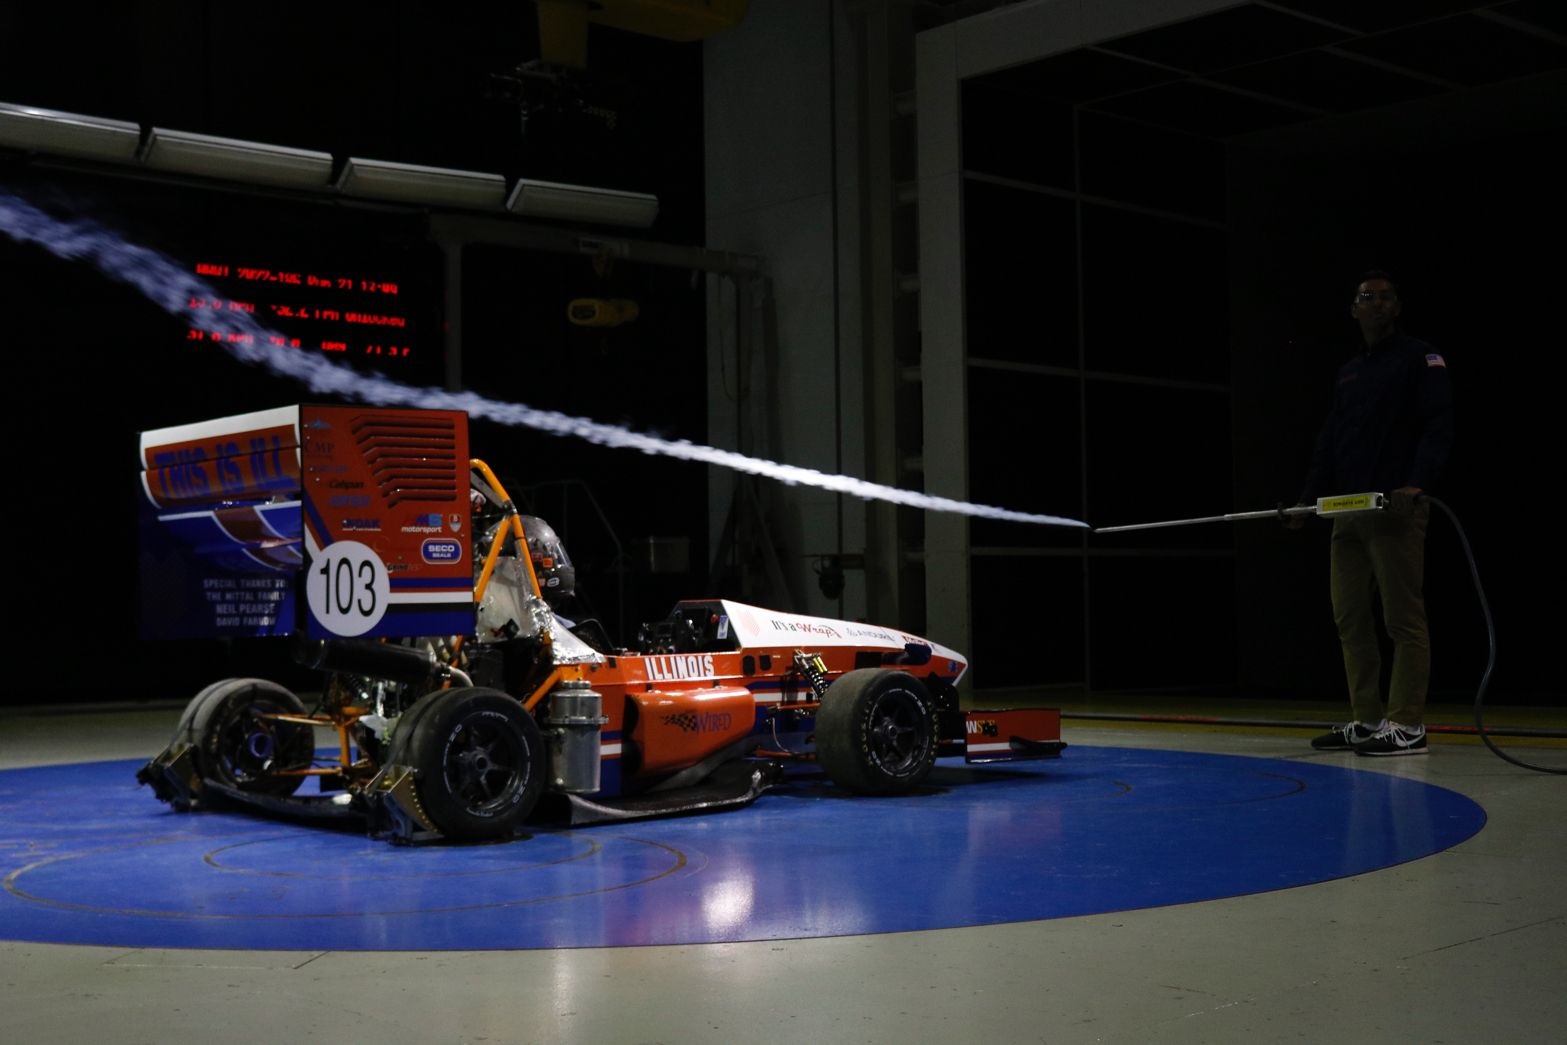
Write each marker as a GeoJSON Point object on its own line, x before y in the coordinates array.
{"type": "Point", "coordinates": [691, 666]}
{"type": "Point", "coordinates": [861, 632]}
{"type": "Point", "coordinates": [985, 727]}
{"type": "Point", "coordinates": [346, 484]}
{"type": "Point", "coordinates": [455, 522]}
{"type": "Point", "coordinates": [349, 500]}
{"type": "Point", "coordinates": [807, 627]}
{"type": "Point", "coordinates": [247, 464]}
{"type": "Point", "coordinates": [362, 524]}
{"type": "Point", "coordinates": [700, 721]}
{"type": "Point", "coordinates": [441, 549]}
{"type": "Point", "coordinates": [430, 523]}
{"type": "Point", "coordinates": [1435, 360]}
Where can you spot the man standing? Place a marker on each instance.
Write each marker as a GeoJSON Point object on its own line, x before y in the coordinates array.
{"type": "Point", "coordinates": [1390, 430]}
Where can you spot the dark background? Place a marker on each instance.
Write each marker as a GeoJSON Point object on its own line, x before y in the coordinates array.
{"type": "Point", "coordinates": [1471, 227]}
{"type": "Point", "coordinates": [92, 363]}
{"type": "Point", "coordinates": [1157, 300]}
{"type": "Point", "coordinates": [1163, 234]}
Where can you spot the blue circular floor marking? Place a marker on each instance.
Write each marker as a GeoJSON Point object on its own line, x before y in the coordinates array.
{"type": "Point", "coordinates": [88, 857]}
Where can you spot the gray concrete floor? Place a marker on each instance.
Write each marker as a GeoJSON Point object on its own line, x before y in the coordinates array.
{"type": "Point", "coordinates": [1468, 945]}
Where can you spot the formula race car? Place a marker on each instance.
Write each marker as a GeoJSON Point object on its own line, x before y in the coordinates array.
{"type": "Point", "coordinates": [461, 702]}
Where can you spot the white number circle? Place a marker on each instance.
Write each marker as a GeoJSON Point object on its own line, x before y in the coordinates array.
{"type": "Point", "coordinates": [347, 588]}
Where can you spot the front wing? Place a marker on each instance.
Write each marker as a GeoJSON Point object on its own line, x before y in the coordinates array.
{"type": "Point", "coordinates": [1011, 735]}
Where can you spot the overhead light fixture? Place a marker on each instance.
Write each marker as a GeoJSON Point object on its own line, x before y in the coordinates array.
{"type": "Point", "coordinates": [549, 199]}
{"type": "Point", "coordinates": [67, 133]}
{"type": "Point", "coordinates": [188, 153]}
{"type": "Point", "coordinates": [408, 183]}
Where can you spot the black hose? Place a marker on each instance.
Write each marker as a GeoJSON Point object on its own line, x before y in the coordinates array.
{"type": "Point", "coordinates": [1490, 662]}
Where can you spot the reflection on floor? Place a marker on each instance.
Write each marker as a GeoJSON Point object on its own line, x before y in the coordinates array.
{"type": "Point", "coordinates": [1464, 944]}
{"type": "Point", "coordinates": [105, 864]}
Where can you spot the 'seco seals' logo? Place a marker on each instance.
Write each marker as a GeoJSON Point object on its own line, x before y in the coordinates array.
{"type": "Point", "coordinates": [441, 550]}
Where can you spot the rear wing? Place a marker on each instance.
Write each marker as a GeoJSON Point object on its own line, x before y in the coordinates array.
{"type": "Point", "coordinates": [324, 521]}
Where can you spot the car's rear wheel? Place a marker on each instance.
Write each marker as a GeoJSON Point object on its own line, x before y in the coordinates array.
{"type": "Point", "coordinates": [184, 731]}
{"type": "Point", "coordinates": [479, 760]}
{"type": "Point", "coordinates": [876, 732]}
{"type": "Point", "coordinates": [239, 743]}
{"type": "Point", "coordinates": [400, 751]}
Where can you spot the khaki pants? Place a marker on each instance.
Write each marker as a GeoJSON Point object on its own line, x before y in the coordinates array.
{"type": "Point", "coordinates": [1383, 554]}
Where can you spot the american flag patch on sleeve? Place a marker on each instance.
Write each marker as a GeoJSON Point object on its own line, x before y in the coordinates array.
{"type": "Point", "coordinates": [1432, 359]}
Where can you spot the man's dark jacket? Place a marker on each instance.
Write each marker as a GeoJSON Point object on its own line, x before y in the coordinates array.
{"type": "Point", "coordinates": [1391, 424]}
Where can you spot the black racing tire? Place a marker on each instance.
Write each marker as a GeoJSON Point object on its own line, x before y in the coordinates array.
{"type": "Point", "coordinates": [479, 762]}
{"type": "Point", "coordinates": [183, 731]}
{"type": "Point", "coordinates": [400, 752]}
{"type": "Point", "coordinates": [237, 745]}
{"type": "Point", "coordinates": [876, 732]}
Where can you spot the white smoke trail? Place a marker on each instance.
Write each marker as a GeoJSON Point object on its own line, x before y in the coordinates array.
{"type": "Point", "coordinates": [168, 285]}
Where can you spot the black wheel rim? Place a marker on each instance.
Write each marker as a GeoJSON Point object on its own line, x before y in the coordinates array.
{"type": "Point", "coordinates": [485, 763]}
{"type": "Point", "coordinates": [251, 746]}
{"type": "Point", "coordinates": [898, 734]}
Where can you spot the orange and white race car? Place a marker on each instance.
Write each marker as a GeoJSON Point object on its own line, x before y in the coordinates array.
{"type": "Point", "coordinates": [460, 702]}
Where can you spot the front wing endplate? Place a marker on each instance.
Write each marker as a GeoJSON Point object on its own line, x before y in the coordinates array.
{"type": "Point", "coordinates": [1011, 735]}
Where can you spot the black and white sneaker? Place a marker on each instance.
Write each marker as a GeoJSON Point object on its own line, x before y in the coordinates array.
{"type": "Point", "coordinates": [1394, 739]}
{"type": "Point", "coordinates": [1344, 738]}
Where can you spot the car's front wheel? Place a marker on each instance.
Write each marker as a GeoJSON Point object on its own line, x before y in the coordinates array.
{"type": "Point", "coordinates": [876, 732]}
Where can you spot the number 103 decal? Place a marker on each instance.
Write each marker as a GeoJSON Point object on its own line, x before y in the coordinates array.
{"type": "Point", "coordinates": [347, 588]}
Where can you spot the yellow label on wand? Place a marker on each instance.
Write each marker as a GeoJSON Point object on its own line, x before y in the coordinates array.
{"type": "Point", "coordinates": [1350, 502]}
